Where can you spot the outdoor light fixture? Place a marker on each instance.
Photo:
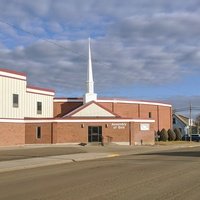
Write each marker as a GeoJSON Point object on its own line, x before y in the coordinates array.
{"type": "Point", "coordinates": [82, 125]}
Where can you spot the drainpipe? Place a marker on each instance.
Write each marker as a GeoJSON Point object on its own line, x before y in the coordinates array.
{"type": "Point", "coordinates": [130, 134]}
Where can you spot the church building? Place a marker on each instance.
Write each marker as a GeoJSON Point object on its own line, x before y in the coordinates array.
{"type": "Point", "coordinates": [32, 115]}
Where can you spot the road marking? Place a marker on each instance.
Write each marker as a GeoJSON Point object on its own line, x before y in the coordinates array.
{"type": "Point", "coordinates": [113, 155]}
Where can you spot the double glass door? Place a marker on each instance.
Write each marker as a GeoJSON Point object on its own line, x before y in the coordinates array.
{"type": "Point", "coordinates": [94, 134]}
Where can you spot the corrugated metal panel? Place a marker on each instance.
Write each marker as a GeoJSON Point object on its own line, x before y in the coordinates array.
{"type": "Point", "coordinates": [8, 87]}
{"type": "Point", "coordinates": [31, 105]}
{"type": "Point", "coordinates": [27, 101]}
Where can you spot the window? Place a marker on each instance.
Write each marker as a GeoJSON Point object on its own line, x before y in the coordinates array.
{"type": "Point", "coordinates": [150, 115]}
{"type": "Point", "coordinates": [174, 120]}
{"type": "Point", "coordinates": [39, 107]}
{"type": "Point", "coordinates": [15, 100]}
{"type": "Point", "coordinates": [38, 132]}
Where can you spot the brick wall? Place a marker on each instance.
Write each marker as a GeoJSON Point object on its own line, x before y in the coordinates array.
{"type": "Point", "coordinates": [69, 133]}
{"type": "Point", "coordinates": [111, 132]}
{"type": "Point", "coordinates": [78, 132]}
{"type": "Point", "coordinates": [165, 118]}
{"type": "Point", "coordinates": [140, 137]}
{"type": "Point", "coordinates": [46, 133]}
{"type": "Point", "coordinates": [61, 109]}
{"type": "Point", "coordinates": [161, 114]}
{"type": "Point", "coordinates": [12, 134]}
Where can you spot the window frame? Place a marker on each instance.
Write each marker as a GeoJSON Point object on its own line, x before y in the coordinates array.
{"type": "Point", "coordinates": [38, 132]}
{"type": "Point", "coordinates": [150, 114]}
{"type": "Point", "coordinates": [15, 100]}
{"type": "Point", "coordinates": [39, 107]}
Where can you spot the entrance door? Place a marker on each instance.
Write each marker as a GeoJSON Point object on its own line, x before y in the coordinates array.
{"type": "Point", "coordinates": [94, 134]}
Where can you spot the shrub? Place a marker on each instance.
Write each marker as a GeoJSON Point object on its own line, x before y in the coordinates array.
{"type": "Point", "coordinates": [178, 134]}
{"type": "Point", "coordinates": [163, 135]}
{"type": "Point", "coordinates": [171, 135]}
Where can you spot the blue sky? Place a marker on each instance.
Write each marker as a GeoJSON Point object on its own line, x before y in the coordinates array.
{"type": "Point", "coordinates": [141, 49]}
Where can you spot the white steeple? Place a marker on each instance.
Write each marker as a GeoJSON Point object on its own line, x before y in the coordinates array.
{"type": "Point", "coordinates": [90, 95]}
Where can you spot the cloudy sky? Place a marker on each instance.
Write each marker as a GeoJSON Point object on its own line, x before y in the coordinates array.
{"type": "Point", "coordinates": [141, 49]}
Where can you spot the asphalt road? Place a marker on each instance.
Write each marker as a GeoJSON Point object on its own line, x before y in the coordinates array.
{"type": "Point", "coordinates": [161, 175]}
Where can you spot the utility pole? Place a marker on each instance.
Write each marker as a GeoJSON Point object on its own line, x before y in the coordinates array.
{"type": "Point", "coordinates": [190, 122]}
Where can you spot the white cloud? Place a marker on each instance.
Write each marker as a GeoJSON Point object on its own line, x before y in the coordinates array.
{"type": "Point", "coordinates": [134, 42]}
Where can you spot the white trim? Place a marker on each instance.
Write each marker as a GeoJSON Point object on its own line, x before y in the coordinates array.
{"type": "Point", "coordinates": [68, 100]}
{"type": "Point", "coordinates": [134, 102]}
{"type": "Point", "coordinates": [121, 143]}
{"type": "Point", "coordinates": [74, 120]}
{"type": "Point", "coordinates": [12, 121]}
{"type": "Point", "coordinates": [11, 75]}
{"type": "Point", "coordinates": [105, 120]}
{"type": "Point", "coordinates": [115, 101]}
{"type": "Point", "coordinates": [40, 91]}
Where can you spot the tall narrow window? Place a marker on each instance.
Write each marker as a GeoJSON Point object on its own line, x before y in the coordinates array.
{"type": "Point", "coordinates": [174, 120]}
{"type": "Point", "coordinates": [150, 115]}
{"type": "Point", "coordinates": [15, 100]}
{"type": "Point", "coordinates": [39, 107]}
{"type": "Point", "coordinates": [38, 132]}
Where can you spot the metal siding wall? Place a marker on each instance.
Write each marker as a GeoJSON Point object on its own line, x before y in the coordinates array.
{"type": "Point", "coordinates": [8, 87]}
{"type": "Point", "coordinates": [31, 105]}
{"type": "Point", "coordinates": [27, 101]}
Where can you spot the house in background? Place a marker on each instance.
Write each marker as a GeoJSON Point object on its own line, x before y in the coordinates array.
{"type": "Point", "coordinates": [183, 123]}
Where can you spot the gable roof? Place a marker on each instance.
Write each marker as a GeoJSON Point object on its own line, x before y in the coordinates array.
{"type": "Point", "coordinates": [92, 109]}
{"type": "Point", "coordinates": [183, 119]}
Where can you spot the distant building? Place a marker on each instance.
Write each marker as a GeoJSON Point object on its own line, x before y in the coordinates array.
{"type": "Point", "coordinates": [183, 123]}
{"type": "Point", "coordinates": [31, 115]}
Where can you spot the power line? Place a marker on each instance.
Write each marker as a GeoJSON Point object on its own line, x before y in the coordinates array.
{"type": "Point", "coordinates": [36, 36]}
{"type": "Point", "coordinates": [186, 109]}
{"type": "Point", "coordinates": [51, 42]}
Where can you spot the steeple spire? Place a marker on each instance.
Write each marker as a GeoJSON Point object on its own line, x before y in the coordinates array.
{"type": "Point", "coordinates": [90, 82]}
{"type": "Point", "coordinates": [90, 95]}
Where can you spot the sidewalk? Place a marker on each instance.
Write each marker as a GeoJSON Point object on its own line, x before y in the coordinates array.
{"type": "Point", "coordinates": [31, 156]}
{"type": "Point", "coordinates": [12, 165]}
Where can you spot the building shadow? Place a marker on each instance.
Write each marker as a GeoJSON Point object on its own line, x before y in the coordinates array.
{"type": "Point", "coordinates": [174, 153]}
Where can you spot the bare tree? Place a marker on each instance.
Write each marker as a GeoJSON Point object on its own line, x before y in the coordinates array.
{"type": "Point", "coordinates": [197, 123]}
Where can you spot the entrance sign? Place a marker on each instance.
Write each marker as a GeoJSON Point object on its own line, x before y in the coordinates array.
{"type": "Point", "coordinates": [119, 125]}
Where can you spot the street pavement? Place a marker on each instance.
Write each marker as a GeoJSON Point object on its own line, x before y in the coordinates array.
{"type": "Point", "coordinates": [158, 174]}
{"type": "Point", "coordinates": [31, 156]}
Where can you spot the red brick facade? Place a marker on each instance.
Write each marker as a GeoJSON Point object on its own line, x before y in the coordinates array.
{"type": "Point", "coordinates": [12, 134]}
{"type": "Point", "coordinates": [161, 114]}
{"type": "Point", "coordinates": [31, 133]}
{"type": "Point", "coordinates": [61, 108]}
{"type": "Point", "coordinates": [142, 137]}
{"type": "Point", "coordinates": [116, 132]}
